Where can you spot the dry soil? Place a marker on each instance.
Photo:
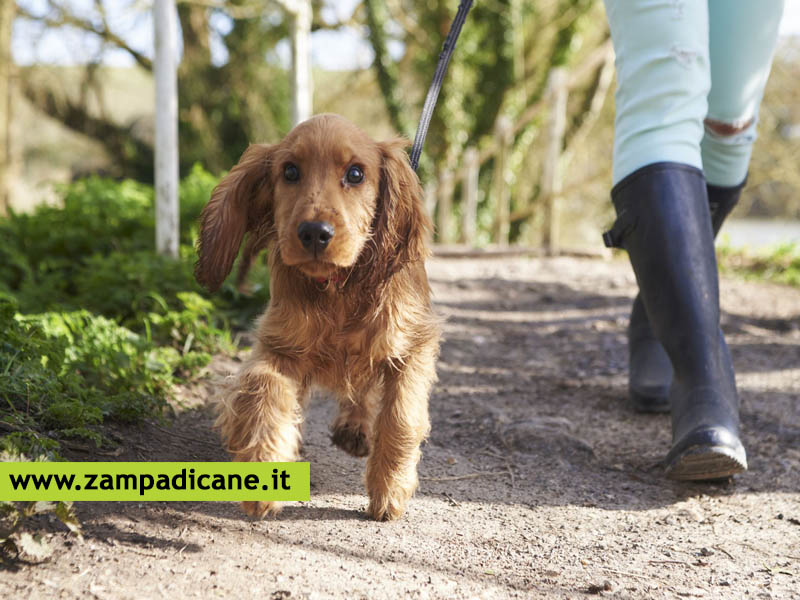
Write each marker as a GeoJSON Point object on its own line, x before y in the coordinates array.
{"type": "Point", "coordinates": [537, 481]}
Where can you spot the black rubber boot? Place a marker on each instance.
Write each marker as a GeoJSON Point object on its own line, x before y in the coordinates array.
{"type": "Point", "coordinates": [649, 369]}
{"type": "Point", "coordinates": [664, 223]}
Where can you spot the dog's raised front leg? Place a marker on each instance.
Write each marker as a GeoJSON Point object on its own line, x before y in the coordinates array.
{"type": "Point", "coordinates": [352, 429]}
{"type": "Point", "coordinates": [401, 425]}
{"type": "Point", "coordinates": [260, 417]}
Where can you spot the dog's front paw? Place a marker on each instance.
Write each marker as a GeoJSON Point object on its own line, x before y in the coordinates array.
{"type": "Point", "coordinates": [387, 508]}
{"type": "Point", "coordinates": [353, 441]}
{"type": "Point", "coordinates": [259, 510]}
{"type": "Point", "coordinates": [388, 500]}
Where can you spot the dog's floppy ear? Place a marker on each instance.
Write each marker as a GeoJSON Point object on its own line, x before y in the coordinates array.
{"type": "Point", "coordinates": [241, 202]}
{"type": "Point", "coordinates": [402, 226]}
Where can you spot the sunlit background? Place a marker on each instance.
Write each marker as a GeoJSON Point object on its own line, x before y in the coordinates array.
{"type": "Point", "coordinates": [82, 101]}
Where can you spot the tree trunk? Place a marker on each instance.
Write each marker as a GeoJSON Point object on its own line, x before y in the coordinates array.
{"type": "Point", "coordinates": [385, 68]}
{"type": "Point", "coordinates": [165, 68]}
{"type": "Point", "coordinates": [7, 12]}
{"type": "Point", "coordinates": [193, 20]}
{"type": "Point", "coordinates": [551, 166]}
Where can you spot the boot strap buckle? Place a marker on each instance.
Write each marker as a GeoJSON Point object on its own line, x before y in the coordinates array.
{"type": "Point", "coordinates": [613, 237]}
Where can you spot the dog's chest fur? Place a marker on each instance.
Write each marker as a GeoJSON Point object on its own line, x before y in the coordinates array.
{"type": "Point", "coordinates": [326, 338]}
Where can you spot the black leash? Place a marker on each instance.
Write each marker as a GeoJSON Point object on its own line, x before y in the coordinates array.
{"type": "Point", "coordinates": [441, 68]}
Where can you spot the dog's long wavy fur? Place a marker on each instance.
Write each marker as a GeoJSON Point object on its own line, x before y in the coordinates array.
{"type": "Point", "coordinates": [364, 330]}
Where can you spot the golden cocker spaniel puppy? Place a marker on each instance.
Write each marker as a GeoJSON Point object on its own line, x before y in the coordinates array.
{"type": "Point", "coordinates": [342, 217]}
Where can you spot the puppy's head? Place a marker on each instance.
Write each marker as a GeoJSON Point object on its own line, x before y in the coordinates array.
{"type": "Point", "coordinates": [328, 196]}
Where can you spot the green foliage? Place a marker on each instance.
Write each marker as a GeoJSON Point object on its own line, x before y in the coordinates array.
{"type": "Point", "coordinates": [484, 72]}
{"type": "Point", "coordinates": [93, 324]}
{"type": "Point", "coordinates": [780, 264]}
{"type": "Point", "coordinates": [773, 181]}
{"type": "Point", "coordinates": [225, 107]}
{"type": "Point", "coordinates": [386, 71]}
{"type": "Point", "coordinates": [480, 73]}
{"type": "Point", "coordinates": [65, 372]}
{"type": "Point", "coordinates": [227, 100]}
{"type": "Point", "coordinates": [15, 542]}
{"type": "Point", "coordinates": [503, 57]}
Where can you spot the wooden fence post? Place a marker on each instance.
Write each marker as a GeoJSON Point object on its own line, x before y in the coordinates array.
{"type": "Point", "coordinates": [502, 196]}
{"type": "Point", "coordinates": [444, 213]}
{"type": "Point", "coordinates": [430, 191]}
{"type": "Point", "coordinates": [557, 93]}
{"type": "Point", "coordinates": [302, 82]}
{"type": "Point", "coordinates": [7, 14]}
{"type": "Point", "coordinates": [165, 68]}
{"type": "Point", "coordinates": [469, 196]}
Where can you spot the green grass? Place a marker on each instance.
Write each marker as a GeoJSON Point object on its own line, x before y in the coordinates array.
{"type": "Point", "coordinates": [95, 327]}
{"type": "Point", "coordinates": [778, 264]}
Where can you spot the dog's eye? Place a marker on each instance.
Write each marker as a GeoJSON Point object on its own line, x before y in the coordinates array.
{"type": "Point", "coordinates": [291, 172]}
{"type": "Point", "coordinates": [355, 175]}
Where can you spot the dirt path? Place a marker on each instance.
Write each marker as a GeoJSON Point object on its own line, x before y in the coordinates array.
{"type": "Point", "coordinates": [538, 481]}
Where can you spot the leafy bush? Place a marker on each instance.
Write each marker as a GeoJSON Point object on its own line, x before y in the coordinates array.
{"type": "Point", "coordinates": [14, 541]}
{"type": "Point", "coordinates": [94, 325]}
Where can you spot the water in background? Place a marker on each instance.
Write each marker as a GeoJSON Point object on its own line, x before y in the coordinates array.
{"type": "Point", "coordinates": [759, 233]}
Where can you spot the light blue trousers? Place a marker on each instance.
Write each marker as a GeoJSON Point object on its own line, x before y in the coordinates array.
{"type": "Point", "coordinates": [690, 78]}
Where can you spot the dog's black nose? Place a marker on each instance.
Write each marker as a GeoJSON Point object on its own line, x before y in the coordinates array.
{"type": "Point", "coordinates": [315, 235]}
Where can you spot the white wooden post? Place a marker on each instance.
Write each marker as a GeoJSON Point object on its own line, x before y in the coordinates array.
{"type": "Point", "coordinates": [431, 191]}
{"type": "Point", "coordinates": [469, 196]}
{"type": "Point", "coordinates": [502, 195]}
{"type": "Point", "coordinates": [444, 214]}
{"type": "Point", "coordinates": [551, 168]}
{"type": "Point", "coordinates": [302, 82]}
{"type": "Point", "coordinates": [7, 13]}
{"type": "Point", "coordinates": [165, 67]}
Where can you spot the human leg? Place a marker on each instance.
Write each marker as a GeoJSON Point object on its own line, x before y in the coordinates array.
{"type": "Point", "coordinates": [665, 225]}
{"type": "Point", "coordinates": [742, 38]}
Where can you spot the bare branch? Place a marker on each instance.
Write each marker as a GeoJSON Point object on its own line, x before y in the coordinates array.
{"type": "Point", "coordinates": [600, 56]}
{"type": "Point", "coordinates": [64, 18]}
{"type": "Point", "coordinates": [408, 23]}
{"type": "Point", "coordinates": [256, 9]}
{"type": "Point", "coordinates": [244, 11]}
{"type": "Point", "coordinates": [118, 140]}
{"type": "Point", "coordinates": [589, 118]}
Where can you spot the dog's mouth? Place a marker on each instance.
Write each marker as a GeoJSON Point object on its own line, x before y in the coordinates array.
{"type": "Point", "coordinates": [320, 271]}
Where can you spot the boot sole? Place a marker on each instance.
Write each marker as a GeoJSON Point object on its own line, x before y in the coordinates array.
{"type": "Point", "coordinates": [707, 463]}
